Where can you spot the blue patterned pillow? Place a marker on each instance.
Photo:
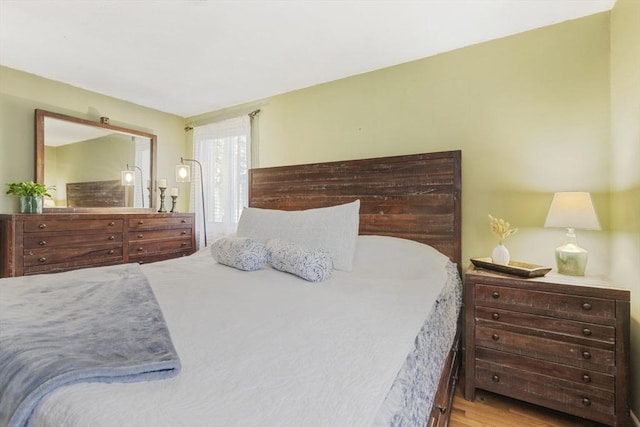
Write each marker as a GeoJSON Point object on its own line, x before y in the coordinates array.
{"type": "Point", "coordinates": [314, 265]}
{"type": "Point", "coordinates": [240, 252]}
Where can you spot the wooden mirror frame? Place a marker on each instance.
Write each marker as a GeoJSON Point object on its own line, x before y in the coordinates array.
{"type": "Point", "coordinates": [40, 116]}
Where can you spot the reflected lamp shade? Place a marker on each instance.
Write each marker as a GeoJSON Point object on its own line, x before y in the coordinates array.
{"type": "Point", "coordinates": [572, 210]}
{"type": "Point", "coordinates": [127, 177]}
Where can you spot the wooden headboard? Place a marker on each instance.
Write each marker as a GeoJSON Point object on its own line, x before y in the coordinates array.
{"type": "Point", "coordinates": [415, 197]}
{"type": "Point", "coordinates": [97, 194]}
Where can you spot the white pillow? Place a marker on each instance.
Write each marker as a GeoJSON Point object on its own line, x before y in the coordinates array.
{"type": "Point", "coordinates": [314, 265]}
{"type": "Point", "coordinates": [334, 229]}
{"type": "Point", "coordinates": [241, 253]}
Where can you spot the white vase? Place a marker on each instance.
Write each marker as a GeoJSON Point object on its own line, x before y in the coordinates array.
{"type": "Point", "coordinates": [500, 255]}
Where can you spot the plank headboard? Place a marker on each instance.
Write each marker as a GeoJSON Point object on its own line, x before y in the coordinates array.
{"type": "Point", "coordinates": [415, 197]}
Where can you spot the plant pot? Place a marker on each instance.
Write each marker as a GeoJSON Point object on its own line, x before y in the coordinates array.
{"type": "Point", "coordinates": [30, 204]}
{"type": "Point", "coordinates": [500, 255]}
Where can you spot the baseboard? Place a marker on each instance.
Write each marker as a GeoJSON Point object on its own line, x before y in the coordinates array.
{"type": "Point", "coordinates": [635, 419]}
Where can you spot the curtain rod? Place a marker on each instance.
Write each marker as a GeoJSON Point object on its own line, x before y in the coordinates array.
{"type": "Point", "coordinates": [251, 115]}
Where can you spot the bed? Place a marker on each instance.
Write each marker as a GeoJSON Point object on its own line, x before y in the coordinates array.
{"type": "Point", "coordinates": [374, 344]}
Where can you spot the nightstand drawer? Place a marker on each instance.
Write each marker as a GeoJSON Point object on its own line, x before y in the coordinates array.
{"type": "Point", "coordinates": [543, 390]}
{"type": "Point", "coordinates": [559, 305]}
{"type": "Point", "coordinates": [562, 373]}
{"type": "Point", "coordinates": [547, 326]}
{"type": "Point", "coordinates": [583, 356]}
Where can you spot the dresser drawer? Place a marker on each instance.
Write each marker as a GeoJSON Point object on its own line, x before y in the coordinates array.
{"type": "Point", "coordinates": [582, 378]}
{"type": "Point", "coordinates": [158, 246]}
{"type": "Point", "coordinates": [144, 235]}
{"type": "Point", "coordinates": [572, 354]}
{"type": "Point", "coordinates": [57, 240]}
{"type": "Point", "coordinates": [564, 306]}
{"type": "Point", "coordinates": [600, 335]}
{"type": "Point", "coordinates": [44, 225]}
{"type": "Point", "coordinates": [160, 223]}
{"type": "Point", "coordinates": [588, 402]}
{"type": "Point", "coordinates": [97, 253]}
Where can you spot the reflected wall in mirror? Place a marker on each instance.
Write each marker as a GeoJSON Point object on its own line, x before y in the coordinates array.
{"type": "Point", "coordinates": [85, 160]}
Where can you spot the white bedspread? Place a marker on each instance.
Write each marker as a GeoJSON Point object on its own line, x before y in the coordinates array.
{"type": "Point", "coordinates": [266, 348]}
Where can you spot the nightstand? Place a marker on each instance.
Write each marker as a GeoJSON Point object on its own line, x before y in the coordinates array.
{"type": "Point", "coordinates": [556, 341]}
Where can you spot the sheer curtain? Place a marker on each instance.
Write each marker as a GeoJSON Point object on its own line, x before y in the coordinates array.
{"type": "Point", "coordinates": [224, 149]}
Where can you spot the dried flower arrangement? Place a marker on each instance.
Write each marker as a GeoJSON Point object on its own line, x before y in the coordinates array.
{"type": "Point", "coordinates": [501, 229]}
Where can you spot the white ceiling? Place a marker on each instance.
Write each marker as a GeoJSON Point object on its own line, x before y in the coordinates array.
{"type": "Point", "coordinates": [193, 56]}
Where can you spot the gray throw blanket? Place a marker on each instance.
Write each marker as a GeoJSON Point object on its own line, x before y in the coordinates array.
{"type": "Point", "coordinates": [94, 325]}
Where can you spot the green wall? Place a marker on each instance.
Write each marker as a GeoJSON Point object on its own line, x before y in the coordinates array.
{"type": "Point", "coordinates": [625, 167]}
{"type": "Point", "coordinates": [22, 93]}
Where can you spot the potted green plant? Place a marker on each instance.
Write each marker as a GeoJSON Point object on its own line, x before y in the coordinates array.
{"type": "Point", "coordinates": [30, 195]}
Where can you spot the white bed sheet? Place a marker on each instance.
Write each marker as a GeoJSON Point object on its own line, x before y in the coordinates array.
{"type": "Point", "coordinates": [267, 348]}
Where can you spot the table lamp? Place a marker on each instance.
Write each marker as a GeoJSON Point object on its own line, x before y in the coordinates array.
{"type": "Point", "coordinates": [572, 210]}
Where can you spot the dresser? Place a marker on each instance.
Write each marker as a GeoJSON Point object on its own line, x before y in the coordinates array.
{"type": "Point", "coordinates": [53, 242]}
{"type": "Point", "coordinates": [557, 341]}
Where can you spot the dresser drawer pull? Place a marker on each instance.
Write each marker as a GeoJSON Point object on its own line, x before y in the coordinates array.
{"type": "Point", "coordinates": [586, 332]}
{"type": "Point", "coordinates": [586, 401]}
{"type": "Point", "coordinates": [42, 259]}
{"type": "Point", "coordinates": [112, 237]}
{"type": "Point", "coordinates": [442, 409]}
{"type": "Point", "coordinates": [42, 242]}
{"type": "Point", "coordinates": [140, 249]}
{"type": "Point", "coordinates": [184, 233]}
{"type": "Point", "coordinates": [495, 337]}
{"type": "Point", "coordinates": [586, 355]}
{"type": "Point", "coordinates": [141, 222]}
{"type": "Point", "coordinates": [586, 306]}
{"type": "Point", "coordinates": [140, 236]}
{"type": "Point", "coordinates": [110, 252]}
{"type": "Point", "coordinates": [586, 378]}
{"type": "Point", "coordinates": [495, 378]}
{"type": "Point", "coordinates": [495, 316]}
{"type": "Point", "coordinates": [184, 244]}
{"type": "Point", "coordinates": [112, 223]}
{"type": "Point", "coordinates": [42, 226]}
{"type": "Point", "coordinates": [184, 221]}
{"type": "Point", "coordinates": [495, 294]}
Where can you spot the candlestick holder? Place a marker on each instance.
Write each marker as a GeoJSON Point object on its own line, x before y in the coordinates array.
{"type": "Point", "coordinates": [173, 203]}
{"type": "Point", "coordinates": [162, 190]}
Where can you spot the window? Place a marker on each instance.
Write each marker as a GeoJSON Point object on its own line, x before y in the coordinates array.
{"type": "Point", "coordinates": [224, 149]}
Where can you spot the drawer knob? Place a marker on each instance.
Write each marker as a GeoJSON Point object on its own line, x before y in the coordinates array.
{"type": "Point", "coordinates": [586, 355]}
{"type": "Point", "coordinates": [183, 233]}
{"type": "Point", "coordinates": [184, 221]}
{"type": "Point", "coordinates": [42, 242]}
{"type": "Point", "coordinates": [110, 252]}
{"type": "Point", "coordinates": [586, 401]}
{"type": "Point", "coordinates": [42, 259]}
{"type": "Point", "coordinates": [140, 236]}
{"type": "Point", "coordinates": [495, 316]}
{"type": "Point", "coordinates": [112, 223]}
{"type": "Point", "coordinates": [495, 337]}
{"type": "Point", "coordinates": [586, 378]}
{"type": "Point", "coordinates": [140, 249]}
{"type": "Point", "coordinates": [495, 378]}
{"type": "Point", "coordinates": [184, 244]}
{"type": "Point", "coordinates": [442, 409]}
{"type": "Point", "coordinates": [495, 294]}
{"type": "Point", "coordinates": [141, 222]}
{"type": "Point", "coordinates": [112, 237]}
{"type": "Point", "coordinates": [42, 226]}
{"type": "Point", "coordinates": [586, 332]}
{"type": "Point", "coordinates": [586, 306]}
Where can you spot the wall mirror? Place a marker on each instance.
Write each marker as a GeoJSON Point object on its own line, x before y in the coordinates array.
{"type": "Point", "coordinates": [94, 165]}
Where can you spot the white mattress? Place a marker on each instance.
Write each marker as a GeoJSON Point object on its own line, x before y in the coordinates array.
{"type": "Point", "coordinates": [267, 348]}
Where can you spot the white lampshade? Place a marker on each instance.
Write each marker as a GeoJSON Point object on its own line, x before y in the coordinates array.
{"type": "Point", "coordinates": [572, 210]}
{"type": "Point", "coordinates": [128, 177]}
{"type": "Point", "coordinates": [183, 173]}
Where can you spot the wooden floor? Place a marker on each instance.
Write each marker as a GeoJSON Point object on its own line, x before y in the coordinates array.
{"type": "Point", "coordinates": [492, 410]}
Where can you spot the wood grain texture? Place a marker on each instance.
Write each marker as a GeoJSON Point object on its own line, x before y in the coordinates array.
{"type": "Point", "coordinates": [416, 197]}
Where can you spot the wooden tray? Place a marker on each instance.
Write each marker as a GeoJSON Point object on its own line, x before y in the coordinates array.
{"type": "Point", "coordinates": [515, 268]}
